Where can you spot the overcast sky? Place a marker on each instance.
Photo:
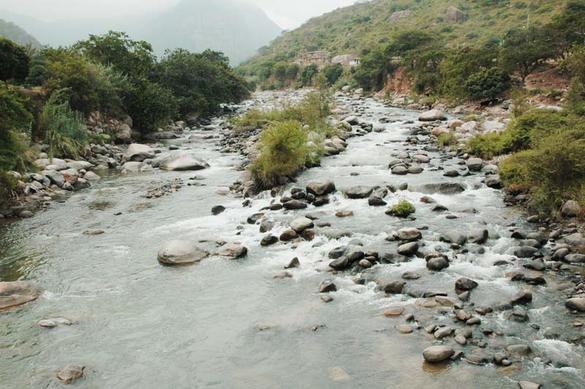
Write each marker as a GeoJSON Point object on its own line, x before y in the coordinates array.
{"type": "Point", "coordinates": [286, 13]}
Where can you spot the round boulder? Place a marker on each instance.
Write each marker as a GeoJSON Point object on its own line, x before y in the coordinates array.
{"type": "Point", "coordinates": [180, 252]}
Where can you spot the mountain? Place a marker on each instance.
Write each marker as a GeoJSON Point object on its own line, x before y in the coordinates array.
{"type": "Point", "coordinates": [234, 27]}
{"type": "Point", "coordinates": [13, 32]}
{"type": "Point", "coordinates": [370, 24]}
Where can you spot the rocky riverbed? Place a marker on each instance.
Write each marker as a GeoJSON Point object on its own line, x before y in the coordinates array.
{"type": "Point", "coordinates": [316, 284]}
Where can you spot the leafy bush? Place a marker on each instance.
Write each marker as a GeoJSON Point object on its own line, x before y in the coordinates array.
{"type": "Point", "coordinates": [149, 104]}
{"type": "Point", "coordinates": [487, 84]}
{"type": "Point", "coordinates": [14, 120]}
{"type": "Point", "coordinates": [526, 131]}
{"type": "Point", "coordinates": [332, 73]}
{"type": "Point", "coordinates": [553, 172]}
{"type": "Point", "coordinates": [308, 74]}
{"type": "Point", "coordinates": [201, 82]}
{"type": "Point", "coordinates": [14, 61]}
{"type": "Point", "coordinates": [64, 129]}
{"type": "Point", "coordinates": [283, 153]}
{"type": "Point", "coordinates": [402, 209]}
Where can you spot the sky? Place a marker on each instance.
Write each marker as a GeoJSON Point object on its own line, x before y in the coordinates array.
{"type": "Point", "coordinates": [288, 14]}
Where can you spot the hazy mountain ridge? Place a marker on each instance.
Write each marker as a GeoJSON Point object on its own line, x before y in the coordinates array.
{"type": "Point", "coordinates": [13, 32]}
{"type": "Point", "coordinates": [235, 28]}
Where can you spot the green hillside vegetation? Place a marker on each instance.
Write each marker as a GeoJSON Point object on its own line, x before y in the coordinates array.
{"type": "Point", "coordinates": [13, 32]}
{"type": "Point", "coordinates": [46, 95]}
{"type": "Point", "coordinates": [381, 30]}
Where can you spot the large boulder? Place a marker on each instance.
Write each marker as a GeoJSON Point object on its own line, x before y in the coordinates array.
{"type": "Point", "coordinates": [183, 162]}
{"type": "Point", "coordinates": [233, 250]}
{"type": "Point", "coordinates": [432, 116]}
{"type": "Point", "coordinates": [300, 224]}
{"type": "Point", "coordinates": [321, 188]}
{"type": "Point", "coordinates": [17, 293]}
{"type": "Point", "coordinates": [180, 252]}
{"type": "Point", "coordinates": [137, 152]}
{"type": "Point", "coordinates": [571, 209]}
{"type": "Point", "coordinates": [358, 192]}
{"type": "Point", "coordinates": [576, 304]}
{"type": "Point", "coordinates": [455, 15]}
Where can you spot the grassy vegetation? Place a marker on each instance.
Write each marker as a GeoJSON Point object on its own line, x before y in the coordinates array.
{"type": "Point", "coordinates": [546, 149]}
{"type": "Point", "coordinates": [291, 139]}
{"type": "Point", "coordinates": [47, 94]}
{"type": "Point", "coordinates": [368, 28]}
{"type": "Point", "coordinates": [402, 209]}
{"type": "Point", "coordinates": [447, 139]}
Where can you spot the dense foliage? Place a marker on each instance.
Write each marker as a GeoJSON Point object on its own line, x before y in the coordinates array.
{"type": "Point", "coordinates": [110, 74]}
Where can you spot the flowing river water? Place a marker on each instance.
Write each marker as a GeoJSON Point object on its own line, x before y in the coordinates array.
{"type": "Point", "coordinates": [229, 324]}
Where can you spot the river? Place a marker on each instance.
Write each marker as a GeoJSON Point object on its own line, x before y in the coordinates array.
{"type": "Point", "coordinates": [229, 324]}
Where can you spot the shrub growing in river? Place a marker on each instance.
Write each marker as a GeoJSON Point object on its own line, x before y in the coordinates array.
{"type": "Point", "coordinates": [283, 153]}
{"type": "Point", "coordinates": [402, 209]}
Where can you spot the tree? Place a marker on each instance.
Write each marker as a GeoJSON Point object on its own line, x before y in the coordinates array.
{"type": "Point", "coordinates": [487, 84]}
{"type": "Point", "coordinates": [308, 74]}
{"type": "Point", "coordinates": [133, 58]}
{"type": "Point", "coordinates": [373, 69]}
{"type": "Point", "coordinates": [332, 73]}
{"type": "Point", "coordinates": [200, 82]}
{"type": "Point", "coordinates": [14, 62]}
{"type": "Point", "coordinates": [524, 50]}
{"type": "Point", "coordinates": [279, 71]}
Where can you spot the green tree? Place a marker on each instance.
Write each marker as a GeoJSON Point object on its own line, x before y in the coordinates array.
{"type": "Point", "coordinates": [332, 73]}
{"type": "Point", "coordinates": [133, 58]}
{"type": "Point", "coordinates": [373, 69]}
{"type": "Point", "coordinates": [487, 84]}
{"type": "Point", "coordinates": [524, 50]}
{"type": "Point", "coordinates": [308, 74]}
{"type": "Point", "coordinates": [14, 61]}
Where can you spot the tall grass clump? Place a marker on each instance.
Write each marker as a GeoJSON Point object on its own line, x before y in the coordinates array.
{"type": "Point", "coordinates": [284, 151]}
{"type": "Point", "coordinates": [64, 128]}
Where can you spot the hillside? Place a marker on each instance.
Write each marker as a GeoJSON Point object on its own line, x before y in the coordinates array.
{"type": "Point", "coordinates": [235, 28]}
{"type": "Point", "coordinates": [366, 25]}
{"type": "Point", "coordinates": [13, 32]}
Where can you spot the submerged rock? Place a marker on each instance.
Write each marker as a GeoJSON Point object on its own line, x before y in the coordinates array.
{"type": "Point", "coordinates": [70, 373]}
{"type": "Point", "coordinates": [17, 293]}
{"type": "Point", "coordinates": [138, 152]}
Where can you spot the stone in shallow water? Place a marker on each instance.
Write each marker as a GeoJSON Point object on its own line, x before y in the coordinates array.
{"type": "Point", "coordinates": [464, 283]}
{"type": "Point", "coordinates": [327, 286]}
{"type": "Point", "coordinates": [180, 252]}
{"type": "Point", "coordinates": [54, 322]}
{"type": "Point", "coordinates": [436, 354]}
{"type": "Point", "coordinates": [301, 224]}
{"type": "Point", "coordinates": [358, 192]}
{"type": "Point", "coordinates": [70, 373]}
{"type": "Point", "coordinates": [576, 304]}
{"type": "Point", "coordinates": [17, 293]}
{"type": "Point", "coordinates": [233, 250]}
{"type": "Point", "coordinates": [321, 188]}
{"type": "Point", "coordinates": [394, 311]}
{"type": "Point", "coordinates": [183, 162]}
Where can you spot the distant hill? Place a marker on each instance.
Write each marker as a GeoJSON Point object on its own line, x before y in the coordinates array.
{"type": "Point", "coordinates": [13, 32]}
{"type": "Point", "coordinates": [369, 24]}
{"type": "Point", "coordinates": [233, 27]}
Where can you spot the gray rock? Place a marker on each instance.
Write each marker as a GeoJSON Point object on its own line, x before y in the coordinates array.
{"type": "Point", "coordinates": [437, 263]}
{"type": "Point", "coordinates": [528, 385]}
{"type": "Point", "coordinates": [294, 263]}
{"type": "Point", "coordinates": [233, 250]}
{"type": "Point", "coordinates": [432, 115]}
{"type": "Point", "coordinates": [474, 164]}
{"type": "Point", "coordinates": [17, 293]}
{"type": "Point", "coordinates": [479, 236]}
{"type": "Point", "coordinates": [288, 235]}
{"type": "Point", "coordinates": [269, 240]}
{"type": "Point", "coordinates": [54, 322]}
{"type": "Point", "coordinates": [394, 287]}
{"type": "Point", "coordinates": [327, 286]}
{"type": "Point", "coordinates": [295, 205]}
{"type": "Point", "coordinates": [216, 210]}
{"type": "Point", "coordinates": [321, 188]}
{"type": "Point", "coordinates": [443, 332]}
{"type": "Point", "coordinates": [436, 354]}
{"type": "Point", "coordinates": [69, 374]}
{"type": "Point", "coordinates": [400, 170]}
{"type": "Point", "coordinates": [454, 237]}
{"type": "Point", "coordinates": [409, 234]}
{"type": "Point", "coordinates": [465, 284]}
{"type": "Point", "coordinates": [181, 252]}
{"type": "Point", "coordinates": [358, 192]}
{"type": "Point", "coordinates": [571, 209]}
{"type": "Point", "coordinates": [576, 304]}
{"type": "Point", "coordinates": [444, 188]}
{"type": "Point", "coordinates": [408, 249]}
{"type": "Point", "coordinates": [183, 162]}
{"type": "Point", "coordinates": [525, 252]}
{"type": "Point", "coordinates": [575, 258]}
{"type": "Point", "coordinates": [138, 153]}
{"type": "Point", "coordinates": [301, 224]}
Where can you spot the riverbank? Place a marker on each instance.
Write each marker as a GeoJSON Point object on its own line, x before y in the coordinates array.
{"type": "Point", "coordinates": [367, 295]}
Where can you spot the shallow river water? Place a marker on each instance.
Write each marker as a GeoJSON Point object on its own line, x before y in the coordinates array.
{"type": "Point", "coordinates": [227, 323]}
